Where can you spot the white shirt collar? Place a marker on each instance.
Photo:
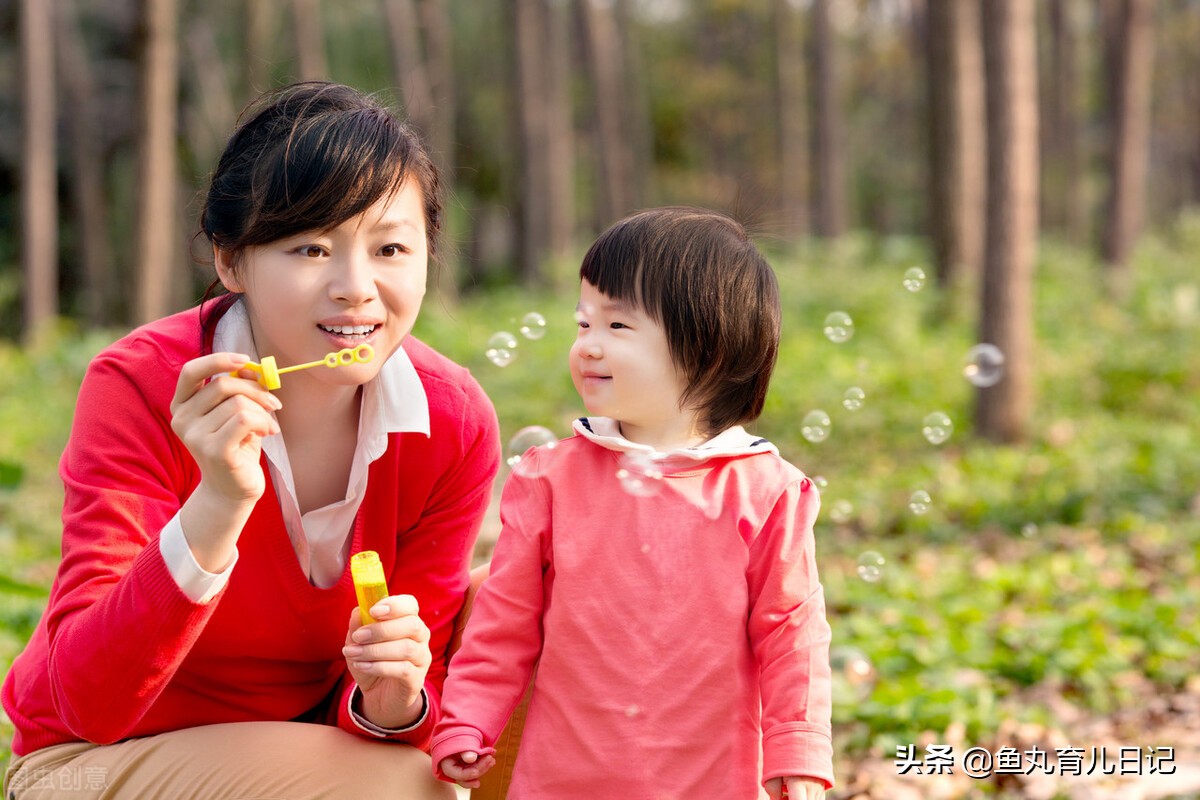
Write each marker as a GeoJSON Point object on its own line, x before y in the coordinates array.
{"type": "Point", "coordinates": [734, 441]}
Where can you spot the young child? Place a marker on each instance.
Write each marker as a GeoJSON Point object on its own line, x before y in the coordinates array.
{"type": "Point", "coordinates": [679, 635]}
{"type": "Point", "coordinates": [202, 636]}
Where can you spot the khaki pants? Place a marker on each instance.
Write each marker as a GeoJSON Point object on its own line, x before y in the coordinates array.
{"type": "Point", "coordinates": [231, 761]}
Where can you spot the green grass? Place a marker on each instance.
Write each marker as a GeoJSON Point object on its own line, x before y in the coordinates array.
{"type": "Point", "coordinates": [1098, 602]}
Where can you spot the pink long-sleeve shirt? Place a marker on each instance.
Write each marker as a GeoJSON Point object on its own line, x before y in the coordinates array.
{"type": "Point", "coordinates": [680, 638]}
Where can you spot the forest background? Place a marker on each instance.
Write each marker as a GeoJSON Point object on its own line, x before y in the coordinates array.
{"type": "Point", "coordinates": [944, 172]}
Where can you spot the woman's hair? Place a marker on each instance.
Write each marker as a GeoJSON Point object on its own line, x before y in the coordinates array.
{"type": "Point", "coordinates": [310, 156]}
{"type": "Point", "coordinates": [697, 274]}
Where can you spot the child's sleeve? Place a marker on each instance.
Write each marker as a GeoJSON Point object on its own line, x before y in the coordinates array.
{"type": "Point", "coordinates": [491, 671]}
{"type": "Point", "coordinates": [790, 637]}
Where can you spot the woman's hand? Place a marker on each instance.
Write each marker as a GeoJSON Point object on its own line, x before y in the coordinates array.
{"type": "Point", "coordinates": [467, 768]}
{"type": "Point", "coordinates": [389, 659]}
{"type": "Point", "coordinates": [797, 788]}
{"type": "Point", "coordinates": [221, 422]}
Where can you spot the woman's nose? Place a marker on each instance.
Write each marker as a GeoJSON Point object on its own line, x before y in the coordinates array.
{"type": "Point", "coordinates": [352, 281]}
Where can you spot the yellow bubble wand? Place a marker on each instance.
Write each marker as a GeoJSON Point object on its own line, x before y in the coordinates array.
{"type": "Point", "coordinates": [268, 372]}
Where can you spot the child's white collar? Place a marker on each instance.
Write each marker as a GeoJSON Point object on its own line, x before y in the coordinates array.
{"type": "Point", "coordinates": [735, 441]}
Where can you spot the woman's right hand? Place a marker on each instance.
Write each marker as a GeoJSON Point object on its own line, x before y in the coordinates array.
{"type": "Point", "coordinates": [222, 421]}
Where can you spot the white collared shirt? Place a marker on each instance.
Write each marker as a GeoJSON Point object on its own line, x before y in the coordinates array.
{"type": "Point", "coordinates": [393, 402]}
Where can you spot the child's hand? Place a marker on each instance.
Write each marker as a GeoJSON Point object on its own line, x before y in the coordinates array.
{"type": "Point", "coordinates": [389, 660]}
{"type": "Point", "coordinates": [466, 768]}
{"type": "Point", "coordinates": [222, 423]}
{"type": "Point", "coordinates": [797, 788]}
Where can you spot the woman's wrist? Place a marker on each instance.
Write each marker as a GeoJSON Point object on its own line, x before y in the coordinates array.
{"type": "Point", "coordinates": [373, 710]}
{"type": "Point", "coordinates": [212, 524]}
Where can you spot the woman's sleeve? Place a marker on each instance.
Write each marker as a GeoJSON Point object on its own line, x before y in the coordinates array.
{"type": "Point", "coordinates": [118, 624]}
{"type": "Point", "coordinates": [503, 640]}
{"type": "Point", "coordinates": [790, 637]}
{"type": "Point", "coordinates": [435, 554]}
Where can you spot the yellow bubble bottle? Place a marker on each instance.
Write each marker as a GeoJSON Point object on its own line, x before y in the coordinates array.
{"type": "Point", "coordinates": [369, 582]}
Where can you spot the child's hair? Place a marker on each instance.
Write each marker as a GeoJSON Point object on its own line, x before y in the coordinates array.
{"type": "Point", "coordinates": [309, 157]}
{"type": "Point", "coordinates": [697, 274]}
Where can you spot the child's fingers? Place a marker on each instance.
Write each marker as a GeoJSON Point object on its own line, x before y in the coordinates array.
{"type": "Point", "coordinates": [774, 788]}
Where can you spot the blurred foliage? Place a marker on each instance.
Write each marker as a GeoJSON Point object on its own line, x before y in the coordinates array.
{"type": "Point", "coordinates": [1070, 561]}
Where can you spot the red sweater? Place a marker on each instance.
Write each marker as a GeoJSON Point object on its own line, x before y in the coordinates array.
{"type": "Point", "coordinates": [122, 652]}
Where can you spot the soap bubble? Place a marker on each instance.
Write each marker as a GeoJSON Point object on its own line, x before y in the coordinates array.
{"type": "Point", "coordinates": [839, 327]}
{"type": "Point", "coordinates": [937, 427]}
{"type": "Point", "coordinates": [919, 502]}
{"type": "Point", "coordinates": [533, 325]}
{"type": "Point", "coordinates": [853, 673]}
{"type": "Point", "coordinates": [527, 437]}
{"type": "Point", "coordinates": [914, 279]}
{"type": "Point", "coordinates": [853, 399]}
{"type": "Point", "coordinates": [815, 426]}
{"type": "Point", "coordinates": [984, 365]}
{"type": "Point", "coordinates": [1029, 530]}
{"type": "Point", "coordinates": [632, 711]}
{"type": "Point", "coordinates": [501, 348]}
{"type": "Point", "coordinates": [841, 511]}
{"type": "Point", "coordinates": [639, 474]}
{"type": "Point", "coordinates": [820, 481]}
{"type": "Point", "coordinates": [870, 566]}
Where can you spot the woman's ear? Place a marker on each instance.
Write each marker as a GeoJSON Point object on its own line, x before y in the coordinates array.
{"type": "Point", "coordinates": [225, 270]}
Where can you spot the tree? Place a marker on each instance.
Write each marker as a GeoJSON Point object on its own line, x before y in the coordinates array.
{"type": "Point", "coordinates": [829, 129]}
{"type": "Point", "coordinates": [157, 254]}
{"type": "Point", "coordinates": [39, 204]}
{"type": "Point", "coordinates": [411, 76]}
{"type": "Point", "coordinates": [956, 139]}
{"type": "Point", "coordinates": [544, 132]}
{"type": "Point", "coordinates": [791, 119]}
{"type": "Point", "coordinates": [605, 70]}
{"type": "Point", "coordinates": [87, 166]}
{"type": "Point", "coordinates": [1125, 209]}
{"type": "Point", "coordinates": [1063, 201]}
{"type": "Point", "coordinates": [1006, 319]}
{"type": "Point", "coordinates": [311, 63]}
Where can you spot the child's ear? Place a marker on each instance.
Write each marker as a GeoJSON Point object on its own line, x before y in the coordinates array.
{"type": "Point", "coordinates": [225, 270]}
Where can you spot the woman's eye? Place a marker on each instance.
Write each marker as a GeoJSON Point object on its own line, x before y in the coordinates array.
{"type": "Point", "coordinates": [391, 250]}
{"type": "Point", "coordinates": [312, 251]}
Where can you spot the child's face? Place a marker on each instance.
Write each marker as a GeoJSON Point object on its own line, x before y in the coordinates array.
{"type": "Point", "coordinates": [622, 368]}
{"type": "Point", "coordinates": [316, 293]}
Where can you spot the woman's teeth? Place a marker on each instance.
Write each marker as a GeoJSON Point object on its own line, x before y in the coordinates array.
{"type": "Point", "coordinates": [348, 330]}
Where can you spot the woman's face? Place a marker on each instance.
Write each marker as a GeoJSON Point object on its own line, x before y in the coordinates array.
{"type": "Point", "coordinates": [319, 292]}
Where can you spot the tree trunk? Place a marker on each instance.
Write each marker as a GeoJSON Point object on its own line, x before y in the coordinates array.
{"type": "Point", "coordinates": [956, 115]}
{"type": "Point", "coordinates": [1064, 201]}
{"type": "Point", "coordinates": [439, 67]}
{"type": "Point", "coordinates": [157, 182]}
{"type": "Point", "coordinates": [411, 77]}
{"type": "Point", "coordinates": [1006, 317]}
{"type": "Point", "coordinates": [39, 193]}
{"type": "Point", "coordinates": [829, 137]}
{"type": "Point", "coordinates": [311, 63]}
{"type": "Point", "coordinates": [603, 50]}
{"type": "Point", "coordinates": [791, 120]}
{"type": "Point", "coordinates": [636, 105]}
{"type": "Point", "coordinates": [533, 131]}
{"type": "Point", "coordinates": [211, 114]}
{"type": "Point", "coordinates": [560, 130]}
{"type": "Point", "coordinates": [87, 168]}
{"type": "Point", "coordinates": [1130, 137]}
{"type": "Point", "coordinates": [260, 38]}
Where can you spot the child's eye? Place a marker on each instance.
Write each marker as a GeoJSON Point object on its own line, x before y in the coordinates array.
{"type": "Point", "coordinates": [392, 250]}
{"type": "Point", "coordinates": [618, 325]}
{"type": "Point", "coordinates": [583, 323]}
